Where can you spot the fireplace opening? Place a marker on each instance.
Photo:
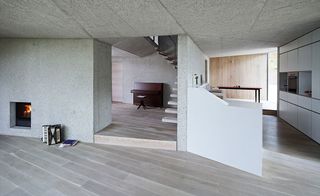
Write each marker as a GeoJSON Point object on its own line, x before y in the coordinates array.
{"type": "Point", "coordinates": [21, 114]}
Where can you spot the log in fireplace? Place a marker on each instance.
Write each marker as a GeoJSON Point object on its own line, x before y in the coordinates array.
{"type": "Point", "coordinates": [23, 114]}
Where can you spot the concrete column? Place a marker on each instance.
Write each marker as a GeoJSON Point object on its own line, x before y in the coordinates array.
{"type": "Point", "coordinates": [182, 92]}
{"type": "Point", "coordinates": [191, 61]}
{"type": "Point", "coordinates": [102, 85]}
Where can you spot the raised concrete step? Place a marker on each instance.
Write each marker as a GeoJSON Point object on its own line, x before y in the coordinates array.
{"type": "Point", "coordinates": [172, 103]}
{"type": "Point", "coordinates": [220, 95]}
{"type": "Point", "coordinates": [169, 120]}
{"type": "Point", "coordinates": [135, 142]}
{"type": "Point", "coordinates": [171, 110]}
{"type": "Point", "coordinates": [174, 89]}
{"type": "Point", "coordinates": [173, 95]}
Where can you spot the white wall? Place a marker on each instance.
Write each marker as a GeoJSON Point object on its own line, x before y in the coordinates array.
{"type": "Point", "coordinates": [210, 127]}
{"type": "Point", "coordinates": [102, 85]}
{"type": "Point", "coordinates": [153, 68]}
{"type": "Point", "coordinates": [230, 133]}
{"type": "Point", "coordinates": [190, 61]}
{"type": "Point", "coordinates": [56, 76]}
{"type": "Point", "coordinates": [117, 80]}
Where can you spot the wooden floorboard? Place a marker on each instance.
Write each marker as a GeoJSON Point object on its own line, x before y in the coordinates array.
{"type": "Point", "coordinates": [29, 167]}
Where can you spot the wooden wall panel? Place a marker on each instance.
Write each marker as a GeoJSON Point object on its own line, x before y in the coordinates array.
{"type": "Point", "coordinates": [246, 70]}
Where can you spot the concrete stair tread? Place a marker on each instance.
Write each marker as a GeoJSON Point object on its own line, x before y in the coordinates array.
{"type": "Point", "coordinates": [169, 119]}
{"type": "Point", "coordinates": [171, 110]}
{"type": "Point", "coordinates": [172, 103]}
{"type": "Point", "coordinates": [218, 94]}
{"type": "Point", "coordinates": [173, 95]}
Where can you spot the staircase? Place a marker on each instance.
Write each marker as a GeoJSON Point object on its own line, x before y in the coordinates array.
{"type": "Point", "coordinates": [172, 110]}
{"type": "Point", "coordinates": [166, 46]}
{"type": "Point", "coordinates": [217, 92]}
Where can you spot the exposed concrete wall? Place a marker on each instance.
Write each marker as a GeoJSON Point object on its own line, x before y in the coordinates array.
{"type": "Point", "coordinates": [102, 85]}
{"type": "Point", "coordinates": [153, 68]}
{"type": "Point", "coordinates": [57, 77]}
{"type": "Point", "coordinates": [191, 61]}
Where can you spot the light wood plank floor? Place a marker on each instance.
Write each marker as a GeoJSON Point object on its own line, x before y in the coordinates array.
{"type": "Point", "coordinates": [281, 137]}
{"type": "Point", "coordinates": [127, 121]}
{"type": "Point", "coordinates": [28, 167]}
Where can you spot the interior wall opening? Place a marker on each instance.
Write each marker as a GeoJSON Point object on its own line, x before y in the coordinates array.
{"type": "Point", "coordinates": [144, 93]}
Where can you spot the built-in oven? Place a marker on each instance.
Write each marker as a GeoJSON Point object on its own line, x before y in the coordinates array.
{"type": "Point", "coordinates": [293, 82]}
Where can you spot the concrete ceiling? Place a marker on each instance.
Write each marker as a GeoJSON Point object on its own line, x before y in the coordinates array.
{"type": "Point", "coordinates": [219, 27]}
{"type": "Point", "coordinates": [119, 54]}
{"type": "Point", "coordinates": [136, 45]}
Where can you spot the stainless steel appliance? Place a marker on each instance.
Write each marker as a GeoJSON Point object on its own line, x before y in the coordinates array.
{"type": "Point", "coordinates": [293, 82]}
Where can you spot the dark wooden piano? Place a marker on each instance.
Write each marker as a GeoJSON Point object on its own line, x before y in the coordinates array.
{"type": "Point", "coordinates": [152, 91]}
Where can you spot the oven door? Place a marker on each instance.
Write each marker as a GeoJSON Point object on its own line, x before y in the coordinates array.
{"type": "Point", "coordinates": [293, 83]}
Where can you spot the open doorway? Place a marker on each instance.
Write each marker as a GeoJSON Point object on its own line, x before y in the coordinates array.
{"type": "Point", "coordinates": [271, 103]}
{"type": "Point", "coordinates": [144, 93]}
{"type": "Point", "coordinates": [240, 76]}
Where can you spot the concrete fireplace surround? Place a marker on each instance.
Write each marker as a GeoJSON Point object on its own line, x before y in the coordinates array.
{"type": "Point", "coordinates": [68, 81]}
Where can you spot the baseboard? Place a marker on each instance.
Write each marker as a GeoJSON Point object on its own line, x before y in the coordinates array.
{"type": "Point", "coordinates": [270, 112]}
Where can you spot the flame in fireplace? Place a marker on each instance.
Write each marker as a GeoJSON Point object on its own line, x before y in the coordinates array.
{"type": "Point", "coordinates": [27, 110]}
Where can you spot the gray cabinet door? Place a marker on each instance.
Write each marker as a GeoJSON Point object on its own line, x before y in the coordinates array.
{"type": "Point", "coordinates": [315, 61]}
{"type": "Point", "coordinates": [283, 62]}
{"type": "Point", "coordinates": [304, 121]}
{"type": "Point", "coordinates": [293, 60]}
{"type": "Point", "coordinates": [283, 109]}
{"type": "Point", "coordinates": [304, 58]}
{"type": "Point", "coordinates": [292, 115]}
{"type": "Point", "coordinates": [316, 127]}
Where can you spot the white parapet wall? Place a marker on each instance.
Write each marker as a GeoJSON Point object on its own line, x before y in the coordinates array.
{"type": "Point", "coordinates": [227, 132]}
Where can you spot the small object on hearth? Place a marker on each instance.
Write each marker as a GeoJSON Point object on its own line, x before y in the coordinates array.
{"type": "Point", "coordinates": [67, 143]}
{"type": "Point", "coordinates": [57, 134]}
{"type": "Point", "coordinates": [45, 129]}
{"type": "Point", "coordinates": [195, 78]}
{"type": "Point", "coordinates": [52, 134]}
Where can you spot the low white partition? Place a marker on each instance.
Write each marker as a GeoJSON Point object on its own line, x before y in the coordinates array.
{"type": "Point", "coordinates": [227, 132]}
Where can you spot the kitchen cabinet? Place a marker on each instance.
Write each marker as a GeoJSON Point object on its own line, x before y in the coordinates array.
{"type": "Point", "coordinates": [315, 62]}
{"type": "Point", "coordinates": [316, 35]}
{"type": "Point", "coordinates": [304, 121]}
{"type": "Point", "coordinates": [292, 114]}
{"type": "Point", "coordinates": [293, 98]}
{"type": "Point", "coordinates": [304, 40]}
{"type": "Point", "coordinates": [315, 105]}
{"type": "Point", "coordinates": [283, 109]}
{"type": "Point", "coordinates": [304, 58]}
{"type": "Point", "coordinates": [315, 127]}
{"type": "Point", "coordinates": [305, 102]}
{"type": "Point", "coordinates": [283, 95]}
{"type": "Point", "coordinates": [284, 62]}
{"type": "Point", "coordinates": [293, 60]}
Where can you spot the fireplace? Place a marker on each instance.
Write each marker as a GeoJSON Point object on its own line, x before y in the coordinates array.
{"type": "Point", "coordinates": [20, 114]}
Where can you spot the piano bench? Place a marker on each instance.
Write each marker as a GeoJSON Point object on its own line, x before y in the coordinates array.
{"type": "Point", "coordinates": [141, 97]}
